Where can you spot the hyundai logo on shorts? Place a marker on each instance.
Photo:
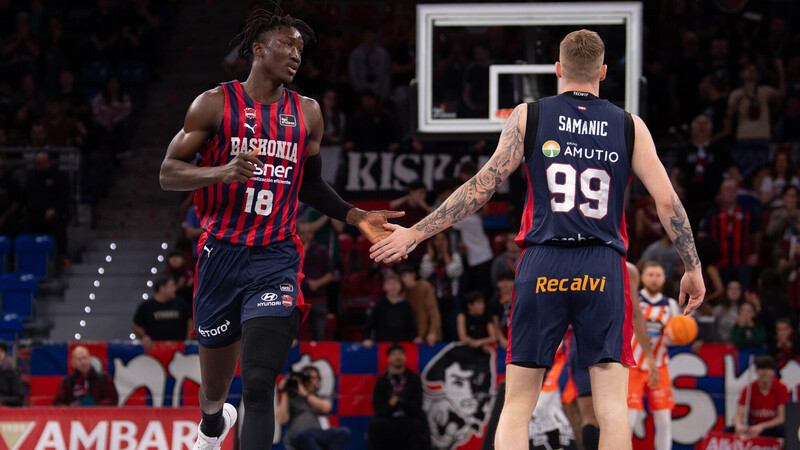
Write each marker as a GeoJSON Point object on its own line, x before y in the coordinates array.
{"type": "Point", "coordinates": [269, 297]}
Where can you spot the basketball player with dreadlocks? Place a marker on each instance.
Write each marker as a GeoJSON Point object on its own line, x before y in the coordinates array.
{"type": "Point", "coordinates": [256, 144]}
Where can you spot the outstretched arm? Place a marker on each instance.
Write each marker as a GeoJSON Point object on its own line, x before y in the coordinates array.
{"type": "Point", "coordinates": [649, 169]}
{"type": "Point", "coordinates": [467, 199]}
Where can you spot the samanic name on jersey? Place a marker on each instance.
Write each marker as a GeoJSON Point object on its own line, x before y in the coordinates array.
{"type": "Point", "coordinates": [266, 147]}
{"type": "Point", "coordinates": [591, 153]}
{"type": "Point", "coordinates": [587, 283]}
{"type": "Point", "coordinates": [580, 126]}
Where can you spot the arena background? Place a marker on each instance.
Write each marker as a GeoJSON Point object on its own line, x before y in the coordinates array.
{"type": "Point", "coordinates": [116, 226]}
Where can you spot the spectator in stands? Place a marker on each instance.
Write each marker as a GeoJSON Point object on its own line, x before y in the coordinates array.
{"type": "Point", "coordinates": [399, 422]}
{"type": "Point", "coordinates": [476, 246]}
{"type": "Point", "coordinates": [443, 268]}
{"type": "Point", "coordinates": [182, 274]}
{"type": "Point", "coordinates": [702, 166]}
{"type": "Point", "coordinates": [782, 173]}
{"type": "Point", "coordinates": [443, 188]}
{"type": "Point", "coordinates": [371, 127]}
{"type": "Point", "coordinates": [507, 260]}
{"type": "Point", "coordinates": [369, 66]}
{"type": "Point", "coordinates": [786, 346]}
{"type": "Point", "coordinates": [334, 119]}
{"type": "Point", "coordinates": [85, 386]}
{"type": "Point", "coordinates": [20, 50]}
{"type": "Point", "coordinates": [111, 109]}
{"type": "Point", "coordinates": [734, 228]}
{"type": "Point", "coordinates": [726, 311]}
{"type": "Point", "coordinates": [19, 126]}
{"type": "Point", "coordinates": [74, 102]}
{"type": "Point", "coordinates": [748, 117]}
{"type": "Point", "coordinates": [59, 51]}
{"type": "Point", "coordinates": [10, 385]}
{"type": "Point", "coordinates": [768, 398]}
{"type": "Point", "coordinates": [47, 204]}
{"type": "Point", "coordinates": [782, 229]}
{"type": "Point", "coordinates": [791, 107]}
{"type": "Point", "coordinates": [414, 204]}
{"type": "Point", "coordinates": [62, 130]}
{"type": "Point", "coordinates": [647, 226]}
{"type": "Point", "coordinates": [105, 31]}
{"type": "Point", "coordinates": [665, 253]}
{"type": "Point", "coordinates": [500, 306]}
{"type": "Point", "coordinates": [769, 301]}
{"type": "Point", "coordinates": [747, 332]}
{"type": "Point", "coordinates": [10, 197]}
{"type": "Point", "coordinates": [419, 294]}
{"type": "Point", "coordinates": [717, 83]}
{"type": "Point", "coordinates": [475, 327]}
{"type": "Point", "coordinates": [30, 97]}
{"type": "Point", "coordinates": [318, 273]}
{"type": "Point", "coordinates": [301, 407]}
{"type": "Point", "coordinates": [163, 318]}
{"type": "Point", "coordinates": [192, 229]}
{"type": "Point", "coordinates": [390, 319]}
{"type": "Point", "coordinates": [475, 92]}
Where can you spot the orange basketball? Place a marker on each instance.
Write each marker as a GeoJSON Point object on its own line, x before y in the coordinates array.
{"type": "Point", "coordinates": [681, 330]}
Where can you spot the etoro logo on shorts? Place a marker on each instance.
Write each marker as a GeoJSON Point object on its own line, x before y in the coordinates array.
{"type": "Point", "coordinates": [214, 331]}
{"type": "Point", "coordinates": [551, 149]}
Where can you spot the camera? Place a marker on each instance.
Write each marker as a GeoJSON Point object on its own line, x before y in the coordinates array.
{"type": "Point", "coordinates": [295, 378]}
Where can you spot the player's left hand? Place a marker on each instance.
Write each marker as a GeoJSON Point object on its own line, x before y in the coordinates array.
{"type": "Point", "coordinates": [401, 242]}
{"type": "Point", "coordinates": [372, 225]}
{"type": "Point", "coordinates": [653, 377]}
{"type": "Point", "coordinates": [692, 286]}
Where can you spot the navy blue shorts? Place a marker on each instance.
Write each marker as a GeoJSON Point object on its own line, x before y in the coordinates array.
{"type": "Point", "coordinates": [585, 286]}
{"type": "Point", "coordinates": [234, 283]}
{"type": "Point", "coordinates": [579, 374]}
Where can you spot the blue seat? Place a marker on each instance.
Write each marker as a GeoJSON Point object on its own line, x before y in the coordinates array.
{"type": "Point", "coordinates": [10, 327]}
{"type": "Point", "coordinates": [133, 72]}
{"type": "Point", "coordinates": [18, 291]}
{"type": "Point", "coordinates": [5, 250]}
{"type": "Point", "coordinates": [33, 252]}
{"type": "Point", "coordinates": [96, 72]}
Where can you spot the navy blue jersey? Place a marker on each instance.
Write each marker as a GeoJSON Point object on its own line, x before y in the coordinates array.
{"type": "Point", "coordinates": [578, 167]}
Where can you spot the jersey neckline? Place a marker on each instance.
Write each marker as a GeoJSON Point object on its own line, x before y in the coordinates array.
{"type": "Point", "coordinates": [580, 95]}
{"type": "Point", "coordinates": [247, 96]}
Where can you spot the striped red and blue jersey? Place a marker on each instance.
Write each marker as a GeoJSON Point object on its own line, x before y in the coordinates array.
{"type": "Point", "coordinates": [263, 209]}
{"type": "Point", "coordinates": [578, 162]}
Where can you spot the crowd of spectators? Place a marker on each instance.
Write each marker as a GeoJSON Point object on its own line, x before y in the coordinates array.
{"type": "Point", "coordinates": [70, 74]}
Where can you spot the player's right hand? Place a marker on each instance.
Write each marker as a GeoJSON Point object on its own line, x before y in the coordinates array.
{"type": "Point", "coordinates": [240, 169]}
{"type": "Point", "coordinates": [692, 286]}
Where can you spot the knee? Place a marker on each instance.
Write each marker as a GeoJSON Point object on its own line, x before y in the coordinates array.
{"type": "Point", "coordinates": [215, 390]}
{"type": "Point", "coordinates": [342, 434]}
{"type": "Point", "coordinates": [257, 389]}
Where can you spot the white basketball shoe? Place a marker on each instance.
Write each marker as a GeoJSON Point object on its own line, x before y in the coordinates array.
{"type": "Point", "coordinates": [214, 443]}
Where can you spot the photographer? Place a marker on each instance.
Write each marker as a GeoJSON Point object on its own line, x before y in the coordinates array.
{"type": "Point", "coordinates": [302, 409]}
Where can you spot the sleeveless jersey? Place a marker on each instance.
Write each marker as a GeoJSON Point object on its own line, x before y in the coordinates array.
{"type": "Point", "coordinates": [657, 311]}
{"type": "Point", "coordinates": [578, 167]}
{"type": "Point", "coordinates": [263, 209]}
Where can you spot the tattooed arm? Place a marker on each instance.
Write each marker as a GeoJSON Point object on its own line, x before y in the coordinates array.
{"type": "Point", "coordinates": [649, 169]}
{"type": "Point", "coordinates": [467, 199]}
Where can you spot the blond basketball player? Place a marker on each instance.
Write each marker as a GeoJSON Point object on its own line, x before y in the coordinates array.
{"type": "Point", "coordinates": [657, 309]}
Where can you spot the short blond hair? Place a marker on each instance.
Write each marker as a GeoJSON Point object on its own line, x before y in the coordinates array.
{"type": "Point", "coordinates": [581, 56]}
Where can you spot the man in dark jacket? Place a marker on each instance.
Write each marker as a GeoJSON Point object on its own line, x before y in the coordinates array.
{"type": "Point", "coordinates": [10, 384]}
{"type": "Point", "coordinates": [399, 422]}
{"type": "Point", "coordinates": [86, 386]}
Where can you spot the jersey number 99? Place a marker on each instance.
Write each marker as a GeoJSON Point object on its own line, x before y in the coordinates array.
{"type": "Point", "coordinates": [568, 190]}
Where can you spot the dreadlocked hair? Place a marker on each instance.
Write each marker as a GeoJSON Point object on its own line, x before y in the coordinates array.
{"type": "Point", "coordinates": [260, 21]}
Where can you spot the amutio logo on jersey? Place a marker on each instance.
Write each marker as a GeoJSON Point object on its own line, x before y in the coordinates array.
{"type": "Point", "coordinates": [552, 149]}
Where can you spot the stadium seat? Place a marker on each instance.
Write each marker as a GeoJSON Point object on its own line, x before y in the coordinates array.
{"type": "Point", "coordinates": [33, 253]}
{"type": "Point", "coordinates": [133, 72]}
{"type": "Point", "coordinates": [18, 291]}
{"type": "Point", "coordinates": [96, 72]}
{"type": "Point", "coordinates": [5, 250]}
{"type": "Point", "coordinates": [10, 327]}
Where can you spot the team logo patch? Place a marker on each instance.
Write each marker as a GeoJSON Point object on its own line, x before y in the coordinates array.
{"type": "Point", "coordinates": [250, 113]}
{"type": "Point", "coordinates": [285, 287]}
{"type": "Point", "coordinates": [287, 300]}
{"type": "Point", "coordinates": [551, 149]}
{"type": "Point", "coordinates": [287, 120]}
